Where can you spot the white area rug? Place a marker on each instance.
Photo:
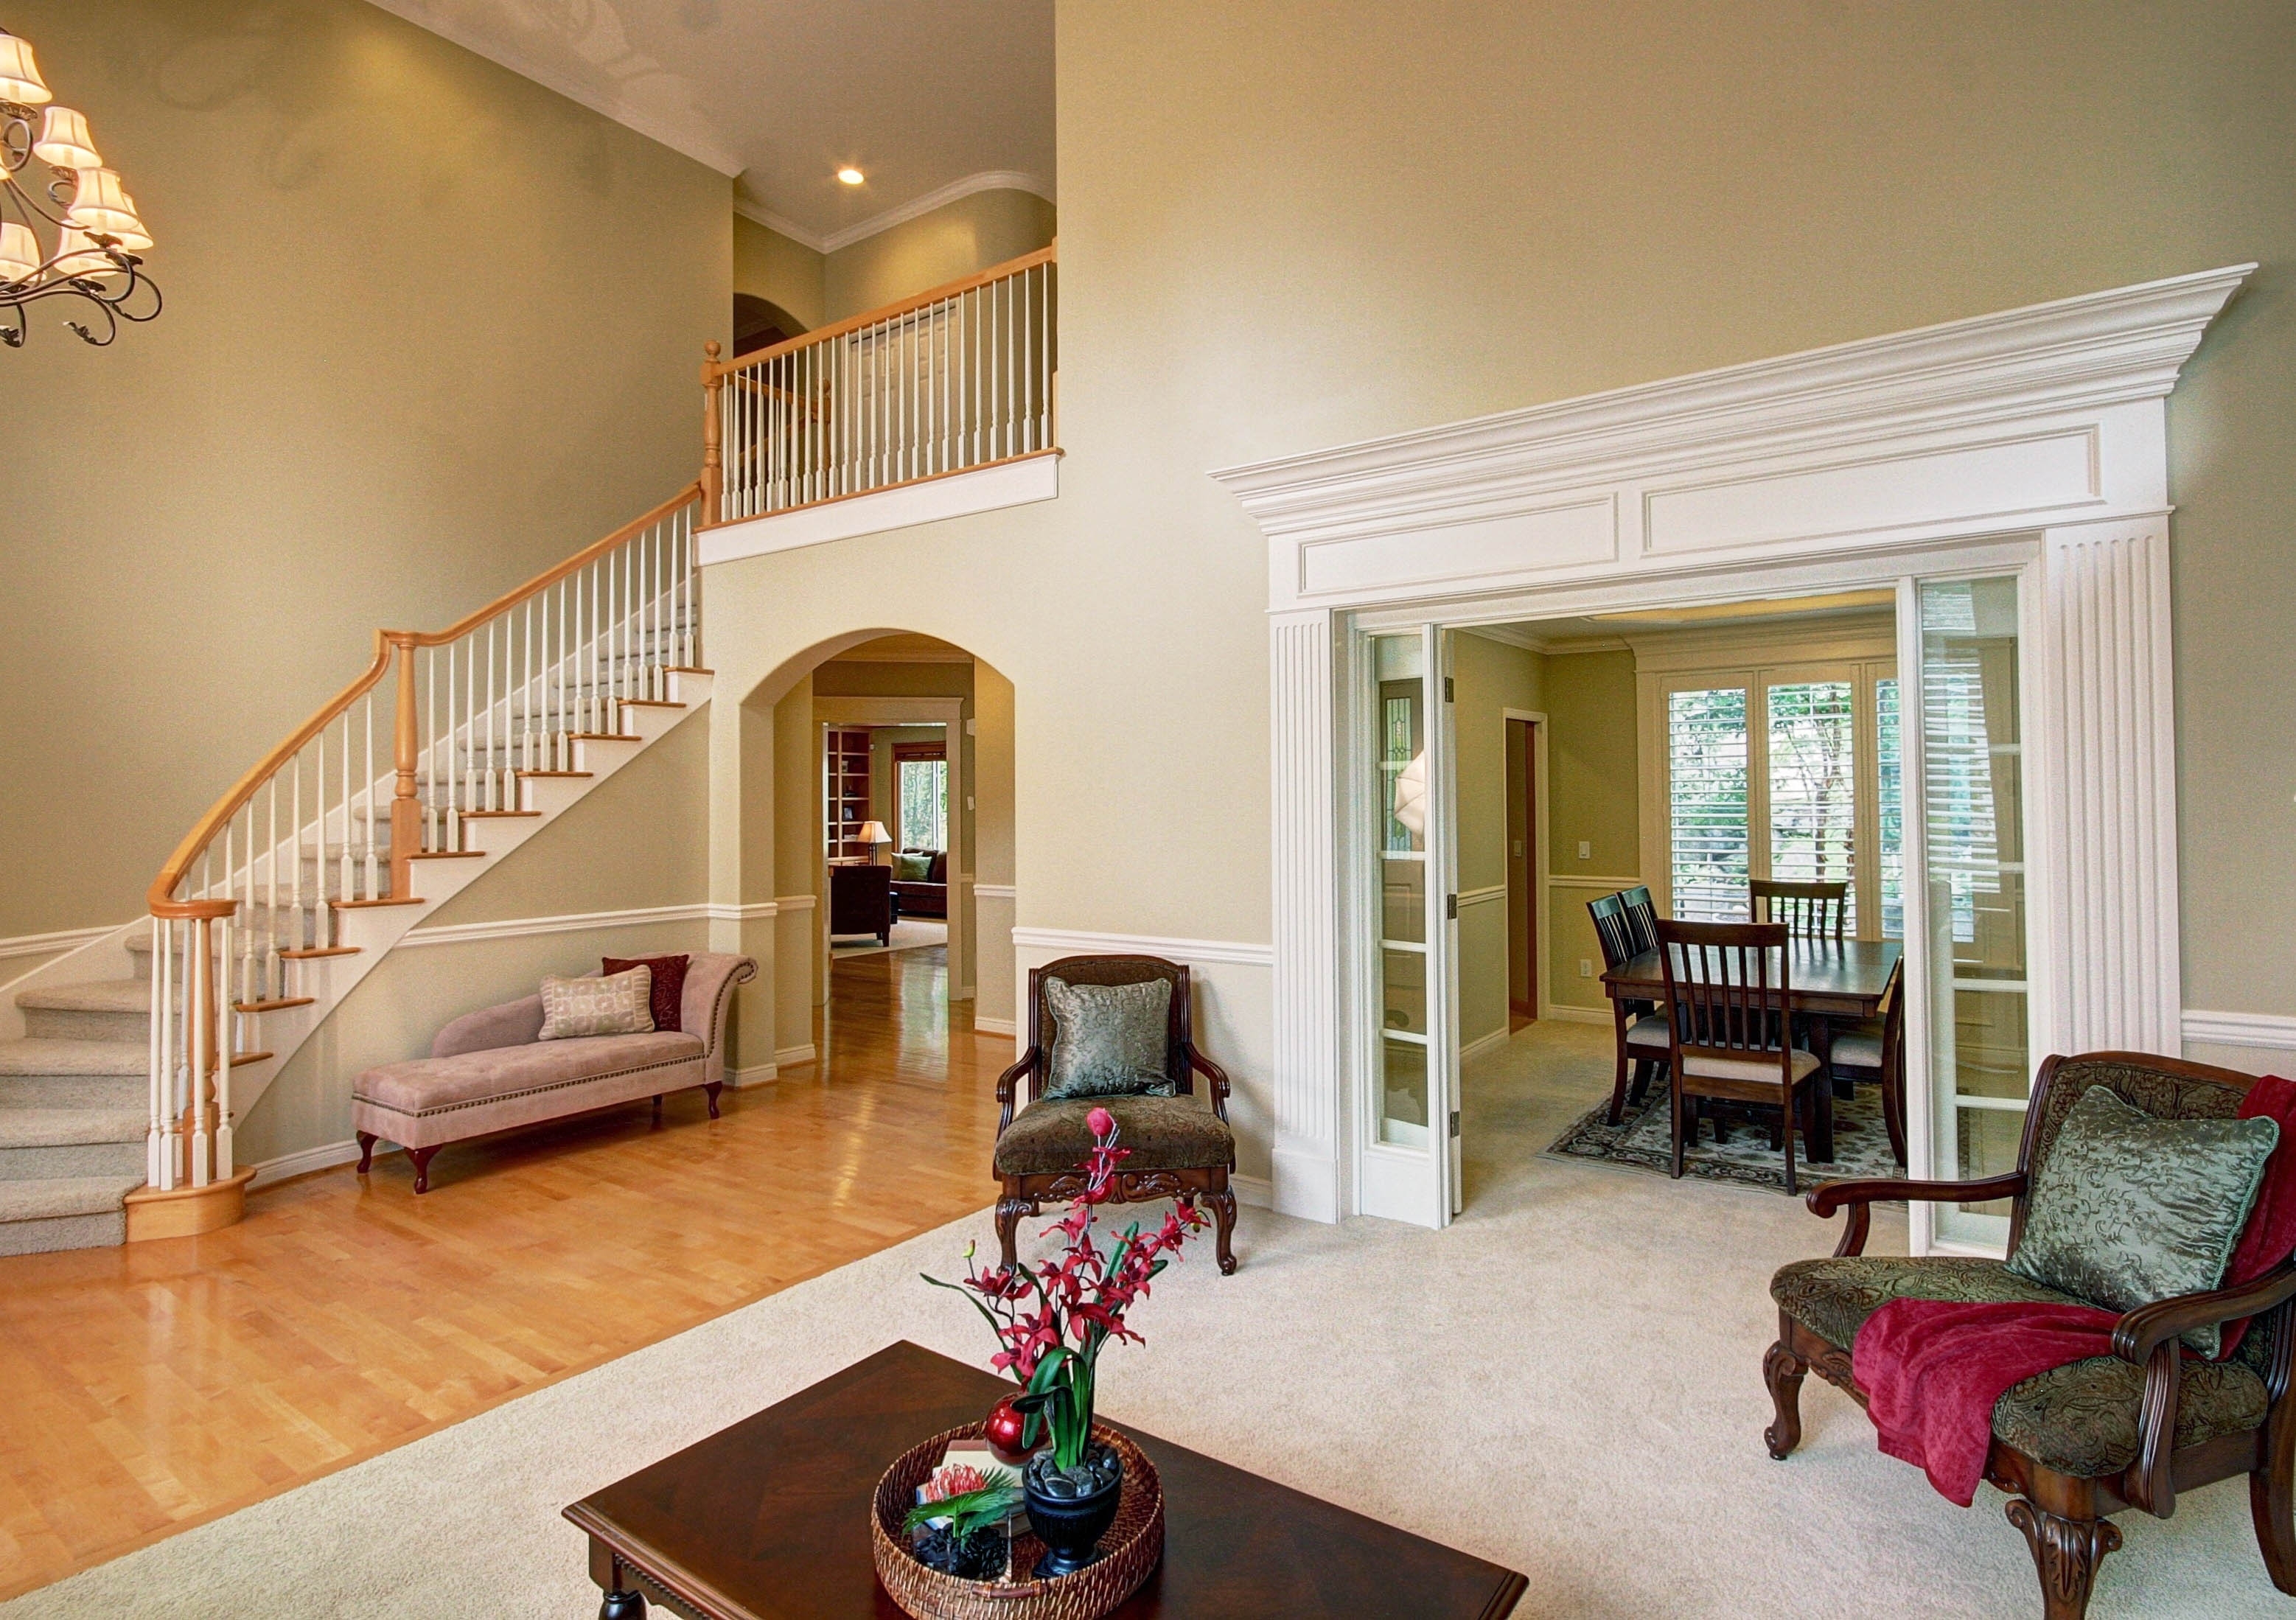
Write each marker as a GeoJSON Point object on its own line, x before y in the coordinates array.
{"type": "Point", "coordinates": [1567, 1382]}
{"type": "Point", "coordinates": [909, 934]}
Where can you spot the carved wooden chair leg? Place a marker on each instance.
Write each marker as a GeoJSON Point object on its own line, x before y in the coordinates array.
{"type": "Point", "coordinates": [1783, 1371]}
{"type": "Point", "coordinates": [367, 1151]}
{"type": "Point", "coordinates": [1223, 1202]}
{"type": "Point", "coordinates": [711, 1091]}
{"type": "Point", "coordinates": [2272, 1502]}
{"type": "Point", "coordinates": [1010, 1209]}
{"type": "Point", "coordinates": [2066, 1552]}
{"type": "Point", "coordinates": [420, 1156]}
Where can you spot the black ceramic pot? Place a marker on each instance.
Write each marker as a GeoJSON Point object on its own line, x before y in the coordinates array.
{"type": "Point", "coordinates": [1070, 1525]}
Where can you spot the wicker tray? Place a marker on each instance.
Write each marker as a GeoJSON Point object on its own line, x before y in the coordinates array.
{"type": "Point", "coordinates": [1130, 1552]}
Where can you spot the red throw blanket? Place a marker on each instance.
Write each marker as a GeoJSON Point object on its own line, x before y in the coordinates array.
{"type": "Point", "coordinates": [1932, 1369]}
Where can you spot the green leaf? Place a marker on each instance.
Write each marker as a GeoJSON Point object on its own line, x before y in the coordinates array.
{"type": "Point", "coordinates": [967, 1511]}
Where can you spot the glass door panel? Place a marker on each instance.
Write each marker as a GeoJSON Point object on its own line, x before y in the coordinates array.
{"type": "Point", "coordinates": [1404, 1168]}
{"type": "Point", "coordinates": [1973, 857]}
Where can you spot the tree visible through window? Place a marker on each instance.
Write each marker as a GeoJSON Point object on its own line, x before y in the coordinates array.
{"type": "Point", "coordinates": [923, 787]}
{"type": "Point", "coordinates": [1813, 788]}
{"type": "Point", "coordinates": [1706, 783]}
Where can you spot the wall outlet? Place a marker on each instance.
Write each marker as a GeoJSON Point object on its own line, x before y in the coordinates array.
{"type": "Point", "coordinates": [1585, 968]}
{"type": "Point", "coordinates": [1586, 850]}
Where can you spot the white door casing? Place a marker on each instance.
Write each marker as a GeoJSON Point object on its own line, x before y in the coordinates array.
{"type": "Point", "coordinates": [2033, 441]}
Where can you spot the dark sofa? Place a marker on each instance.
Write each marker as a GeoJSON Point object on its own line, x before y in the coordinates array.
{"type": "Point", "coordinates": [927, 898]}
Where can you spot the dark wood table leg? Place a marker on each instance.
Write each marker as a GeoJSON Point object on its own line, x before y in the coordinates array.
{"type": "Point", "coordinates": [1821, 1046]}
{"type": "Point", "coordinates": [621, 1599]}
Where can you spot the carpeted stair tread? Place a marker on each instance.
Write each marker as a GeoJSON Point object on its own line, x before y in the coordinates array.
{"type": "Point", "coordinates": [48, 1055]}
{"type": "Point", "coordinates": [94, 995]}
{"type": "Point", "coordinates": [69, 1127]}
{"type": "Point", "coordinates": [68, 1195]}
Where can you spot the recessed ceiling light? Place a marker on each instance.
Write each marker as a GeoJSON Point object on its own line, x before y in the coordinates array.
{"type": "Point", "coordinates": [852, 175]}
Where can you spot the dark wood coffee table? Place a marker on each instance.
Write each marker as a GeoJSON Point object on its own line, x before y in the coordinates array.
{"type": "Point", "coordinates": [769, 1520]}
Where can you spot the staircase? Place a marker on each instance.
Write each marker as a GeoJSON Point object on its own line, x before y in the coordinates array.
{"type": "Point", "coordinates": [125, 1063]}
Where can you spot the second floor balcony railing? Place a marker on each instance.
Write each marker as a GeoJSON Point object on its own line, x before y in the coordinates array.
{"type": "Point", "coordinates": [954, 379]}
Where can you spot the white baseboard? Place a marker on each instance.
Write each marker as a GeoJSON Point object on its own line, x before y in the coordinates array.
{"type": "Point", "coordinates": [761, 1074]}
{"type": "Point", "coordinates": [790, 1055]}
{"type": "Point", "coordinates": [1483, 1043]}
{"type": "Point", "coordinates": [1578, 1015]}
{"type": "Point", "coordinates": [996, 1027]}
{"type": "Point", "coordinates": [1255, 1190]}
{"type": "Point", "coordinates": [288, 1166]}
{"type": "Point", "coordinates": [1306, 1183]}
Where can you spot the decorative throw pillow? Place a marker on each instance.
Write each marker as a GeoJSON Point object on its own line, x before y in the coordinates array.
{"type": "Point", "coordinates": [2128, 1209]}
{"type": "Point", "coordinates": [1107, 1040]}
{"type": "Point", "coordinates": [913, 867]}
{"type": "Point", "coordinates": [615, 1003]}
{"type": "Point", "coordinates": [667, 996]}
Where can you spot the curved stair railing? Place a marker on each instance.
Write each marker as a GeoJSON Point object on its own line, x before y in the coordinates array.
{"type": "Point", "coordinates": [253, 894]}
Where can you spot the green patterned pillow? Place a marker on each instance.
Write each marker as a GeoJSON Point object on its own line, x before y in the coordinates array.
{"type": "Point", "coordinates": [1107, 1040]}
{"type": "Point", "coordinates": [2128, 1209]}
{"type": "Point", "coordinates": [913, 867]}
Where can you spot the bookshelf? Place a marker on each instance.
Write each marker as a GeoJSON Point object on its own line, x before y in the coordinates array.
{"type": "Point", "coordinates": [845, 779]}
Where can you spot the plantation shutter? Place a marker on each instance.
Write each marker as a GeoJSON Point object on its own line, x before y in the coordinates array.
{"type": "Point", "coordinates": [1706, 791]}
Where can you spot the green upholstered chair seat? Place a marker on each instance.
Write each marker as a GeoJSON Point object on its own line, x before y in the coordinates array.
{"type": "Point", "coordinates": [1833, 1299]}
{"type": "Point", "coordinates": [1050, 1135]}
{"type": "Point", "coordinates": [2079, 1418]}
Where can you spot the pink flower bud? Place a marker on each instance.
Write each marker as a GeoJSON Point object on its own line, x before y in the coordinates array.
{"type": "Point", "coordinates": [1101, 1122]}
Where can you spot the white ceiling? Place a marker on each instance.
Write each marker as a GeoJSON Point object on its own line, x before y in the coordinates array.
{"type": "Point", "coordinates": [929, 98]}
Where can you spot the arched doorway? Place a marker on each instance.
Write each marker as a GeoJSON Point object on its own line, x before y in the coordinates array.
{"type": "Point", "coordinates": [760, 323]}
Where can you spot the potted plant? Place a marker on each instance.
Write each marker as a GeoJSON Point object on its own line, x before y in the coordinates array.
{"type": "Point", "coordinates": [1052, 1323]}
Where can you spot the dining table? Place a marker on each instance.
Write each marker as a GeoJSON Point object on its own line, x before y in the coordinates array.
{"type": "Point", "coordinates": [1829, 983]}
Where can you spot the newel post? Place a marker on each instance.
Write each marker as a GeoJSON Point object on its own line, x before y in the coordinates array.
{"type": "Point", "coordinates": [713, 453]}
{"type": "Point", "coordinates": [405, 812]}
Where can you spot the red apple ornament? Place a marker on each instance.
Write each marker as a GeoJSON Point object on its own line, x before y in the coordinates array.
{"type": "Point", "coordinates": [1006, 1430]}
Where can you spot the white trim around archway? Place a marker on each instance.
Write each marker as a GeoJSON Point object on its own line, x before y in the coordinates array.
{"type": "Point", "coordinates": [2033, 441]}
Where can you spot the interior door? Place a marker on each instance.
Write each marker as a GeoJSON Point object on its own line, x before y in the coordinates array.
{"type": "Point", "coordinates": [1408, 1159]}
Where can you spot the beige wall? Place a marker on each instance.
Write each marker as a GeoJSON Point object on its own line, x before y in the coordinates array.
{"type": "Point", "coordinates": [640, 840]}
{"type": "Point", "coordinates": [954, 240]}
{"type": "Point", "coordinates": [430, 327]}
{"type": "Point", "coordinates": [1593, 798]}
{"type": "Point", "coordinates": [996, 995]}
{"type": "Point", "coordinates": [1488, 678]}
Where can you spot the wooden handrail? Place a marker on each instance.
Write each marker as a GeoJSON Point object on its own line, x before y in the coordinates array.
{"type": "Point", "coordinates": [888, 312]}
{"type": "Point", "coordinates": [550, 576]}
{"type": "Point", "coordinates": [161, 896]}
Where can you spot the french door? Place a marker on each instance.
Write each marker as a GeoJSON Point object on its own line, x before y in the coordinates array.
{"type": "Point", "coordinates": [1407, 919]}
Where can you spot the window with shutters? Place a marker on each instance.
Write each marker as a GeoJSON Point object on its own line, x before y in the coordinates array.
{"type": "Point", "coordinates": [1787, 772]}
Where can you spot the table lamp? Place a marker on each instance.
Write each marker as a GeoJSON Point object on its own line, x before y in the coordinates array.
{"type": "Point", "coordinates": [874, 833]}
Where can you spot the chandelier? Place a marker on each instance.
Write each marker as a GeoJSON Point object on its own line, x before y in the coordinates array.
{"type": "Point", "coordinates": [80, 207]}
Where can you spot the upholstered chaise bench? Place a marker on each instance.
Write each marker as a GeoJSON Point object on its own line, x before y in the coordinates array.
{"type": "Point", "coordinates": [490, 1070]}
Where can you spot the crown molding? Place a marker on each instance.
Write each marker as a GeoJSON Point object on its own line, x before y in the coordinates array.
{"type": "Point", "coordinates": [2083, 353]}
{"type": "Point", "coordinates": [689, 142]}
{"type": "Point", "coordinates": [987, 180]}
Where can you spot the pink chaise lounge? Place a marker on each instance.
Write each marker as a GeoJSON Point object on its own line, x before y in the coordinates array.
{"type": "Point", "coordinates": [490, 1071]}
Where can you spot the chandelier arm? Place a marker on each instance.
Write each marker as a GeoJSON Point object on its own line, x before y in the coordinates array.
{"type": "Point", "coordinates": [110, 326]}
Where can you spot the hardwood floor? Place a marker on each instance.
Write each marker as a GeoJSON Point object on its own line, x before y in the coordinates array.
{"type": "Point", "coordinates": [154, 1386]}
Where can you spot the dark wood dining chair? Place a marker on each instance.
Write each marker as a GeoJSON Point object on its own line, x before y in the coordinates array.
{"type": "Point", "coordinates": [1875, 1050]}
{"type": "Point", "coordinates": [1812, 911]}
{"type": "Point", "coordinates": [1642, 917]}
{"type": "Point", "coordinates": [1642, 1036]}
{"type": "Point", "coordinates": [1730, 1037]}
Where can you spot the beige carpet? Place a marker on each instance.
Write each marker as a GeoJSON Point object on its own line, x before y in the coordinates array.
{"type": "Point", "coordinates": [909, 934]}
{"type": "Point", "coordinates": [1567, 1381]}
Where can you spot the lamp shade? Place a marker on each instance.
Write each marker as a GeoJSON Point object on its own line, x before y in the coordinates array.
{"type": "Point", "coordinates": [19, 252]}
{"type": "Point", "coordinates": [101, 204]}
{"type": "Point", "coordinates": [20, 75]}
{"type": "Point", "coordinates": [64, 141]}
{"type": "Point", "coordinates": [874, 832]}
{"type": "Point", "coordinates": [135, 239]}
{"type": "Point", "coordinates": [78, 257]}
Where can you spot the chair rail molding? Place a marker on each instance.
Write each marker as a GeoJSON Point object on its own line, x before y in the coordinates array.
{"type": "Point", "coordinates": [2033, 441]}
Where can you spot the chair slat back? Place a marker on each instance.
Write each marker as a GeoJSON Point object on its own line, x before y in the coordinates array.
{"type": "Point", "coordinates": [1812, 911]}
{"type": "Point", "coordinates": [1642, 917]}
{"type": "Point", "coordinates": [1612, 929]}
{"type": "Point", "coordinates": [1727, 983]}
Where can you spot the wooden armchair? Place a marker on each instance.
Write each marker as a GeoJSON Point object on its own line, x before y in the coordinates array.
{"type": "Point", "coordinates": [1179, 1150]}
{"type": "Point", "coordinates": [2079, 1443]}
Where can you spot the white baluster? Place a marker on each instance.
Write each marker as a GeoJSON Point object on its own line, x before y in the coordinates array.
{"type": "Point", "coordinates": [367, 776]}
{"type": "Point", "coordinates": [219, 1163]}
{"type": "Point", "coordinates": [154, 1138]}
{"type": "Point", "coordinates": [195, 1022]}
